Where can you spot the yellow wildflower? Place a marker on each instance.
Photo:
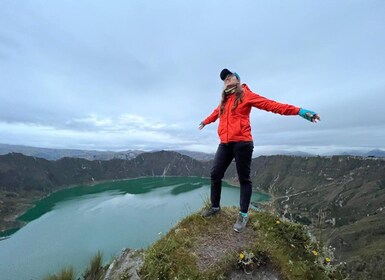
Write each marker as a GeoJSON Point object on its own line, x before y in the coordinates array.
{"type": "Point", "coordinates": [241, 256]}
{"type": "Point", "coordinates": [327, 260]}
{"type": "Point", "coordinates": [278, 222]}
{"type": "Point", "coordinates": [315, 253]}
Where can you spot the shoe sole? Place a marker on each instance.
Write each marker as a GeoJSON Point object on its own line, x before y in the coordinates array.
{"type": "Point", "coordinates": [237, 230]}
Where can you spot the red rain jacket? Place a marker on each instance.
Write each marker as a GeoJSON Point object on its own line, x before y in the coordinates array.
{"type": "Point", "coordinates": [234, 124]}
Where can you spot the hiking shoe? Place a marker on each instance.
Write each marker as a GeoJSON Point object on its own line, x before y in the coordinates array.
{"type": "Point", "coordinates": [210, 212]}
{"type": "Point", "coordinates": [241, 223]}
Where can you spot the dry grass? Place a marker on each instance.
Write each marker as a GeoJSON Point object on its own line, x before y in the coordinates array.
{"type": "Point", "coordinates": [65, 274]}
{"type": "Point", "coordinates": [208, 248]}
{"type": "Point", "coordinates": [220, 239]}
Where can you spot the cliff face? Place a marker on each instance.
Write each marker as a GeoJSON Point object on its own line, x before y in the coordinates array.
{"type": "Point", "coordinates": [340, 189]}
{"type": "Point", "coordinates": [342, 198]}
{"type": "Point", "coordinates": [19, 173]}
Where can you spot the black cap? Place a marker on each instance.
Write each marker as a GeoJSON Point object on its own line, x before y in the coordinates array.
{"type": "Point", "coordinates": [224, 73]}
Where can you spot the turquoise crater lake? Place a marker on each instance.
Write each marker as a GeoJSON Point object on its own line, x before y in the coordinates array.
{"type": "Point", "coordinates": [70, 226]}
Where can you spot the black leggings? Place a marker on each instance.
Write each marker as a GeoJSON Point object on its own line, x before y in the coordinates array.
{"type": "Point", "coordinates": [242, 152]}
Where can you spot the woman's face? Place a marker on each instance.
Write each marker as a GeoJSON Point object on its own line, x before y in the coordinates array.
{"type": "Point", "coordinates": [230, 80]}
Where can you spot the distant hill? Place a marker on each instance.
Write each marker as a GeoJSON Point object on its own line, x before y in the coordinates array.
{"type": "Point", "coordinates": [197, 155]}
{"type": "Point", "coordinates": [373, 153]}
{"type": "Point", "coordinates": [376, 153]}
{"type": "Point", "coordinates": [54, 154]}
{"type": "Point", "coordinates": [289, 153]}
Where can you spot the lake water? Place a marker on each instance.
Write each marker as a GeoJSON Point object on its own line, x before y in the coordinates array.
{"type": "Point", "coordinates": [69, 227]}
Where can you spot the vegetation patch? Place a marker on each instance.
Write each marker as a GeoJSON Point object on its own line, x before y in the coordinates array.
{"type": "Point", "coordinates": [94, 271]}
{"type": "Point", "coordinates": [208, 248]}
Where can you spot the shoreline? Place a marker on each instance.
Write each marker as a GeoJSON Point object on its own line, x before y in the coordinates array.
{"type": "Point", "coordinates": [27, 200]}
{"type": "Point", "coordinates": [10, 223]}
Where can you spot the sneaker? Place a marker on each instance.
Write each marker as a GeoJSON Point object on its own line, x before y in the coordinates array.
{"type": "Point", "coordinates": [241, 223]}
{"type": "Point", "coordinates": [210, 212]}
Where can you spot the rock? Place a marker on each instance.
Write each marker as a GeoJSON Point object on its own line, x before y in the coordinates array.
{"type": "Point", "coordinates": [126, 266]}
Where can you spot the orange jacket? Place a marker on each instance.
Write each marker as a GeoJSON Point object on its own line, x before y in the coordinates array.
{"type": "Point", "coordinates": [234, 124]}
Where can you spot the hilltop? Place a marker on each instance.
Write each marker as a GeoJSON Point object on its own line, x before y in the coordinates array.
{"type": "Point", "coordinates": [199, 248]}
{"type": "Point", "coordinates": [208, 248]}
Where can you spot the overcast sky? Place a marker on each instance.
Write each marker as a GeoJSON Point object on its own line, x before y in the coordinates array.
{"type": "Point", "coordinates": [120, 75]}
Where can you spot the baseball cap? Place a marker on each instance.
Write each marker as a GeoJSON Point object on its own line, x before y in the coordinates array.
{"type": "Point", "coordinates": [226, 72]}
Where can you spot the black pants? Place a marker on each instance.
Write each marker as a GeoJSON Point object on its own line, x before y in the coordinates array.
{"type": "Point", "coordinates": [242, 152]}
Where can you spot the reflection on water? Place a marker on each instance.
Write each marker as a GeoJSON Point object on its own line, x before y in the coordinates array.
{"type": "Point", "coordinates": [70, 226]}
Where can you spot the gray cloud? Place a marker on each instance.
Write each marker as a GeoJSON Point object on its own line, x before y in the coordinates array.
{"type": "Point", "coordinates": [143, 74]}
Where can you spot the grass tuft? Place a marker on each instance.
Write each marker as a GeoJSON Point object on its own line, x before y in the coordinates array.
{"type": "Point", "coordinates": [95, 270]}
{"type": "Point", "coordinates": [67, 273]}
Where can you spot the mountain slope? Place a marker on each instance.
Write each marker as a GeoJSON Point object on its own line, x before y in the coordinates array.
{"type": "Point", "coordinates": [19, 172]}
{"type": "Point", "coordinates": [342, 198]}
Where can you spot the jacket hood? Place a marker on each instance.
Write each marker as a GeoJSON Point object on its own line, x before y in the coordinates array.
{"type": "Point", "coordinates": [244, 86]}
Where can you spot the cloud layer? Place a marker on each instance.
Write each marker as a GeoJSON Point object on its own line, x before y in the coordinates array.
{"type": "Point", "coordinates": [143, 74]}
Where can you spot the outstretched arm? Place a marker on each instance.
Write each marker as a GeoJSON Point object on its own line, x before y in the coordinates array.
{"type": "Point", "coordinates": [269, 105]}
{"type": "Point", "coordinates": [212, 118]}
{"type": "Point", "coordinates": [309, 115]}
{"type": "Point", "coordinates": [284, 109]}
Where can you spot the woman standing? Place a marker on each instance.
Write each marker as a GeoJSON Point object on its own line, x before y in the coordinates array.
{"type": "Point", "coordinates": [236, 141]}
